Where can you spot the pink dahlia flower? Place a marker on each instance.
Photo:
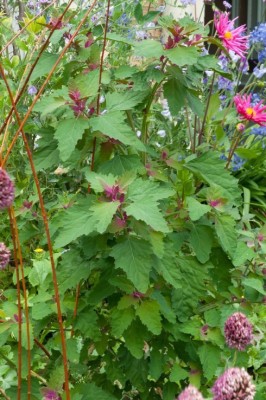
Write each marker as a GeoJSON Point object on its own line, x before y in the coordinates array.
{"type": "Point", "coordinates": [238, 331]}
{"type": "Point", "coordinates": [234, 384]}
{"type": "Point", "coordinates": [232, 38]}
{"type": "Point", "coordinates": [190, 393]}
{"type": "Point", "coordinates": [255, 113]}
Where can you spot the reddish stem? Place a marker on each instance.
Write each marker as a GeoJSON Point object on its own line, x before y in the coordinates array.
{"type": "Point", "coordinates": [19, 367]}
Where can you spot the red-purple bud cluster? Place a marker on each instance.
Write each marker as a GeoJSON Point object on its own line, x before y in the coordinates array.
{"type": "Point", "coordinates": [190, 393]}
{"type": "Point", "coordinates": [114, 193]}
{"type": "Point", "coordinates": [238, 331]}
{"type": "Point", "coordinates": [4, 256]}
{"type": "Point", "coordinates": [235, 383]}
{"type": "Point", "coordinates": [6, 190]}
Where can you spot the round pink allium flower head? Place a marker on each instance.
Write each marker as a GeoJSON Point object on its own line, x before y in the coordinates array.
{"type": "Point", "coordinates": [234, 384]}
{"type": "Point", "coordinates": [6, 190]}
{"type": "Point", "coordinates": [190, 393]}
{"type": "Point", "coordinates": [238, 331]}
{"type": "Point", "coordinates": [4, 255]}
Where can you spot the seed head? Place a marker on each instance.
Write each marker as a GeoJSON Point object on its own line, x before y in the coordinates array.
{"type": "Point", "coordinates": [6, 190]}
{"type": "Point", "coordinates": [234, 384]}
{"type": "Point", "coordinates": [238, 331]}
{"type": "Point", "coordinates": [190, 393]}
{"type": "Point", "coordinates": [4, 255]}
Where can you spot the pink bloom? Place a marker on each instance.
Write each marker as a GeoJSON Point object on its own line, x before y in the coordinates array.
{"type": "Point", "coordinates": [248, 111]}
{"type": "Point", "coordinates": [190, 393]}
{"type": "Point", "coordinates": [234, 384]}
{"type": "Point", "coordinates": [238, 331]}
{"type": "Point", "coordinates": [233, 39]}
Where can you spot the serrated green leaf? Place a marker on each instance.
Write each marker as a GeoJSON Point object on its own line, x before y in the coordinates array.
{"type": "Point", "coordinates": [254, 283]}
{"type": "Point", "coordinates": [178, 374]}
{"type": "Point", "coordinates": [39, 272]}
{"type": "Point", "coordinates": [135, 336]}
{"type": "Point", "coordinates": [79, 213]}
{"type": "Point", "coordinates": [201, 239]}
{"type": "Point", "coordinates": [226, 232]}
{"type": "Point", "coordinates": [120, 320]}
{"type": "Point", "coordinates": [175, 93]}
{"type": "Point", "coordinates": [119, 164]}
{"type": "Point", "coordinates": [242, 254]}
{"type": "Point", "coordinates": [91, 391]}
{"type": "Point", "coordinates": [210, 359]}
{"type": "Point", "coordinates": [149, 213]}
{"type": "Point", "coordinates": [86, 323]}
{"type": "Point", "coordinates": [133, 256]}
{"type": "Point", "coordinates": [44, 65]}
{"type": "Point", "coordinates": [112, 124]}
{"type": "Point", "coordinates": [149, 314]}
{"type": "Point", "coordinates": [217, 175]}
{"type": "Point", "coordinates": [120, 101]}
{"type": "Point", "coordinates": [182, 55]}
{"type": "Point", "coordinates": [87, 84]}
{"type": "Point", "coordinates": [102, 214]}
{"type": "Point", "coordinates": [49, 104]}
{"type": "Point", "coordinates": [196, 209]}
{"type": "Point", "coordinates": [144, 196]}
{"type": "Point", "coordinates": [149, 49]}
{"type": "Point", "coordinates": [68, 132]}
{"type": "Point", "coordinates": [39, 311]}
{"type": "Point", "coordinates": [24, 334]}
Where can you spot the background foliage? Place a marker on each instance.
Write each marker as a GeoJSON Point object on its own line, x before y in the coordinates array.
{"type": "Point", "coordinates": [155, 242]}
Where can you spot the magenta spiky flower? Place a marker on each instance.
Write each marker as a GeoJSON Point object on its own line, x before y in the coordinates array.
{"type": "Point", "coordinates": [190, 393]}
{"type": "Point", "coordinates": [238, 331]}
{"type": "Point", "coordinates": [6, 190]}
{"type": "Point", "coordinates": [4, 255]}
{"type": "Point", "coordinates": [232, 38]}
{"type": "Point", "coordinates": [234, 384]}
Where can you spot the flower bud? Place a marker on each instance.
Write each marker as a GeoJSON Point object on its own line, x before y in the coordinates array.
{"type": "Point", "coordinates": [6, 190]}
{"type": "Point", "coordinates": [238, 331]}
{"type": "Point", "coordinates": [190, 393]}
{"type": "Point", "coordinates": [4, 256]}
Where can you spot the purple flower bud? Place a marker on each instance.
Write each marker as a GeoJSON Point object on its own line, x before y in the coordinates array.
{"type": "Point", "coordinates": [32, 90]}
{"type": "Point", "coordinates": [4, 256]}
{"type": "Point", "coordinates": [50, 394]}
{"type": "Point", "coordinates": [190, 393]}
{"type": "Point", "coordinates": [238, 331]}
{"type": "Point", "coordinates": [6, 190]}
{"type": "Point", "coordinates": [235, 383]}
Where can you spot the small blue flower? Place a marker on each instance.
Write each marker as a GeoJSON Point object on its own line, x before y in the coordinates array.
{"type": "Point", "coordinates": [188, 2]}
{"type": "Point", "coordinates": [258, 35]}
{"type": "Point", "coordinates": [262, 55]}
{"type": "Point", "coordinates": [260, 131]}
{"type": "Point", "coordinates": [259, 71]}
{"type": "Point", "coordinates": [227, 5]}
{"type": "Point", "coordinates": [32, 90]}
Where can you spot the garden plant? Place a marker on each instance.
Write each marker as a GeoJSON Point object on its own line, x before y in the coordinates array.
{"type": "Point", "coordinates": [132, 203]}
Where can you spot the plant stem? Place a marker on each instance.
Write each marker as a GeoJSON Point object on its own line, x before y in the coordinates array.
{"type": "Point", "coordinates": [206, 110]}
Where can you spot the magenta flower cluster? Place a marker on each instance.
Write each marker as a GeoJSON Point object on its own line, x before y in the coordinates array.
{"type": "Point", "coordinates": [6, 190]}
{"type": "Point", "coordinates": [190, 393]}
{"type": "Point", "coordinates": [234, 384]}
{"type": "Point", "coordinates": [4, 255]}
{"type": "Point", "coordinates": [238, 331]}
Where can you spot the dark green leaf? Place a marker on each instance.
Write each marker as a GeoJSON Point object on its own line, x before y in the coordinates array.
{"type": "Point", "coordinates": [133, 256]}
{"type": "Point", "coordinates": [68, 132]}
{"type": "Point", "coordinates": [149, 314]}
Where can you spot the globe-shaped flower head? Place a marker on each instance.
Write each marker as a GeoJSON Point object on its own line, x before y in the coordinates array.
{"type": "Point", "coordinates": [4, 255]}
{"type": "Point", "coordinates": [238, 331]}
{"type": "Point", "coordinates": [234, 384]}
{"type": "Point", "coordinates": [190, 393]}
{"type": "Point", "coordinates": [6, 190]}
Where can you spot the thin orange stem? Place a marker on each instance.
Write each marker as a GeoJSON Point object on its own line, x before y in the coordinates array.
{"type": "Point", "coordinates": [19, 367]}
